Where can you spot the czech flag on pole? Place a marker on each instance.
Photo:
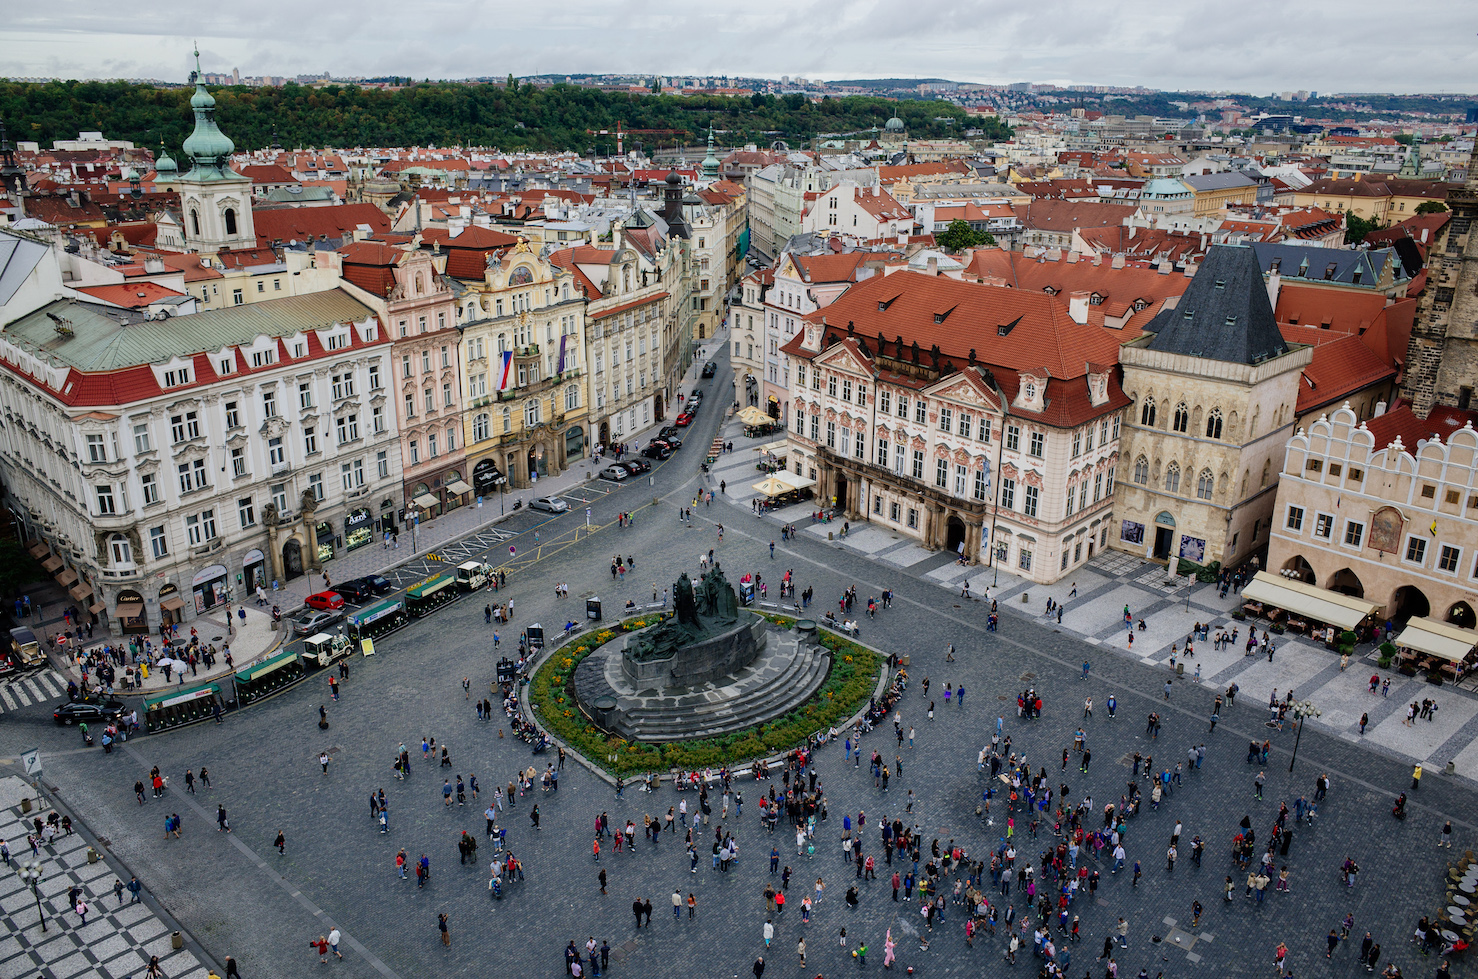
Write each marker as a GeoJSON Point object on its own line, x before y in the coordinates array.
{"type": "Point", "coordinates": [507, 369]}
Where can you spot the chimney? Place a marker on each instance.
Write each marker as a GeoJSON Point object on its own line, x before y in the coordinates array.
{"type": "Point", "coordinates": [1117, 261]}
{"type": "Point", "coordinates": [1072, 258]}
{"type": "Point", "coordinates": [1165, 266]}
{"type": "Point", "coordinates": [1077, 307]}
{"type": "Point", "coordinates": [933, 265]}
{"type": "Point", "coordinates": [1380, 409]}
{"type": "Point", "coordinates": [1275, 285]}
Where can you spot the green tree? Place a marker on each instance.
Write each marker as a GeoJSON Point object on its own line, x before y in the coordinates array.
{"type": "Point", "coordinates": [1431, 207]}
{"type": "Point", "coordinates": [959, 235]}
{"type": "Point", "coordinates": [1356, 228]}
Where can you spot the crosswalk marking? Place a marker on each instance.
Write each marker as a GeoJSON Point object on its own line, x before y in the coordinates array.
{"type": "Point", "coordinates": [24, 691]}
{"type": "Point", "coordinates": [8, 698]}
{"type": "Point", "coordinates": [20, 694]}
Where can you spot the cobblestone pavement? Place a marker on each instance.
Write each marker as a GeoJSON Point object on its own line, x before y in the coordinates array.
{"type": "Point", "coordinates": [238, 896]}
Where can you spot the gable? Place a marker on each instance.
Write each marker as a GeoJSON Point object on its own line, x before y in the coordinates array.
{"type": "Point", "coordinates": [843, 358]}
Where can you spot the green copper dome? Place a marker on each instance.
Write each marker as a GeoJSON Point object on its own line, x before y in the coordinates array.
{"type": "Point", "coordinates": [208, 148]}
{"type": "Point", "coordinates": [165, 163]}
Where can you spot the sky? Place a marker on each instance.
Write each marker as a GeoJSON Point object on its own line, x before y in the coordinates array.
{"type": "Point", "coordinates": [1255, 46]}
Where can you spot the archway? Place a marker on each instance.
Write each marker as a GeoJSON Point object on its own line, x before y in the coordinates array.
{"type": "Point", "coordinates": [605, 434]}
{"type": "Point", "coordinates": [1164, 535]}
{"type": "Point", "coordinates": [954, 534]}
{"type": "Point", "coordinates": [1346, 582]}
{"type": "Point", "coordinates": [773, 408]}
{"type": "Point", "coordinates": [1299, 569]}
{"type": "Point", "coordinates": [839, 481]}
{"type": "Point", "coordinates": [1409, 603]}
{"type": "Point", "coordinates": [1461, 615]}
{"type": "Point", "coordinates": [292, 559]}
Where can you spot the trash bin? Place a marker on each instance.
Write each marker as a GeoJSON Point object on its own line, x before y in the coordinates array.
{"type": "Point", "coordinates": [592, 609]}
{"type": "Point", "coordinates": [176, 941]}
{"type": "Point", "coordinates": [1180, 668]}
{"type": "Point", "coordinates": [26, 804]}
{"type": "Point", "coordinates": [92, 855]}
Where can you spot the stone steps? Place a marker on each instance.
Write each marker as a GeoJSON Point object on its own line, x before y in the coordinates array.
{"type": "Point", "coordinates": [772, 697]}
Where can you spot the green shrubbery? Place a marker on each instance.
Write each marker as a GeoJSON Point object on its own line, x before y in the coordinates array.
{"type": "Point", "coordinates": [848, 685]}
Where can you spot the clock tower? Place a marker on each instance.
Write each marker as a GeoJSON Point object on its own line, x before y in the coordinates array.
{"type": "Point", "coordinates": [215, 201]}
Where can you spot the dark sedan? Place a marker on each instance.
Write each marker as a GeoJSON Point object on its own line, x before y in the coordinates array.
{"type": "Point", "coordinates": [355, 590]}
{"type": "Point", "coordinates": [710, 369]}
{"type": "Point", "coordinates": [636, 466]}
{"type": "Point", "coordinates": [88, 711]}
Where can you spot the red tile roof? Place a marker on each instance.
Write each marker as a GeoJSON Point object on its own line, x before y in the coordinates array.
{"type": "Point", "coordinates": [131, 295]}
{"type": "Point", "coordinates": [830, 268]}
{"type": "Point", "coordinates": [268, 173]}
{"type": "Point", "coordinates": [1400, 421]}
{"type": "Point", "coordinates": [1066, 216]}
{"type": "Point", "coordinates": [303, 224]}
{"type": "Point", "coordinates": [1341, 365]}
{"type": "Point", "coordinates": [371, 265]}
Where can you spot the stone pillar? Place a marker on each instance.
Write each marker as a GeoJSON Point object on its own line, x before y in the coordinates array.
{"type": "Point", "coordinates": [973, 531]}
{"type": "Point", "coordinates": [274, 552]}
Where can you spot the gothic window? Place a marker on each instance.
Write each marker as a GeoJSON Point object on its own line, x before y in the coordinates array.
{"type": "Point", "coordinates": [1182, 417]}
{"type": "Point", "coordinates": [230, 217]}
{"type": "Point", "coordinates": [1213, 424]}
{"type": "Point", "coordinates": [1172, 478]}
{"type": "Point", "coordinates": [1147, 413]}
{"type": "Point", "coordinates": [1142, 471]}
{"type": "Point", "coordinates": [1205, 483]}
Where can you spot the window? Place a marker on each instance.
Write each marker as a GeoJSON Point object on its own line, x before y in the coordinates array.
{"type": "Point", "coordinates": [410, 406]}
{"type": "Point", "coordinates": [1077, 444]}
{"type": "Point", "coordinates": [405, 365]}
{"type": "Point", "coordinates": [964, 429]}
{"type": "Point", "coordinates": [1182, 418]}
{"type": "Point", "coordinates": [831, 383]}
{"type": "Point", "coordinates": [1097, 487]}
{"type": "Point", "coordinates": [1447, 560]}
{"type": "Point", "coordinates": [882, 456]}
{"type": "Point", "coordinates": [1038, 444]}
{"type": "Point", "coordinates": [480, 427]}
{"type": "Point", "coordinates": [877, 505]}
{"type": "Point", "coordinates": [1416, 550]}
{"type": "Point", "coordinates": [859, 446]}
{"type": "Point", "coordinates": [1141, 471]}
{"type": "Point", "coordinates": [177, 428]}
{"type": "Point", "coordinates": [918, 463]}
{"type": "Point", "coordinates": [279, 497]}
{"type": "Point", "coordinates": [305, 394]}
{"type": "Point", "coordinates": [377, 419]}
{"type": "Point", "coordinates": [1013, 437]}
{"type": "Point", "coordinates": [900, 456]}
{"type": "Point", "coordinates": [1452, 497]}
{"type": "Point", "coordinates": [310, 440]}
{"type": "Point", "coordinates": [846, 389]}
{"type": "Point", "coordinates": [913, 518]}
{"type": "Point", "coordinates": [902, 406]}
{"type": "Point", "coordinates": [269, 404]}
{"type": "Point", "coordinates": [246, 512]}
{"type": "Point", "coordinates": [343, 386]}
{"type": "Point", "coordinates": [105, 499]}
{"type": "Point", "coordinates": [979, 491]}
{"type": "Point", "coordinates": [238, 463]}
{"type": "Point", "coordinates": [1354, 533]}
{"type": "Point", "coordinates": [1204, 485]}
{"type": "Point", "coordinates": [572, 397]}
{"type": "Point", "coordinates": [1323, 525]}
{"type": "Point", "coordinates": [233, 416]}
{"type": "Point", "coordinates": [1069, 509]}
{"type": "Point", "coordinates": [961, 480]}
{"type": "Point", "coordinates": [1008, 494]}
{"type": "Point", "coordinates": [431, 446]}
{"type": "Point", "coordinates": [1314, 466]}
{"type": "Point", "coordinates": [425, 361]}
{"type": "Point", "coordinates": [158, 543]}
{"type": "Point", "coordinates": [941, 473]}
{"type": "Point", "coordinates": [1429, 492]}
{"type": "Point", "coordinates": [315, 485]}
{"type": "Point", "coordinates": [1147, 413]}
{"type": "Point", "coordinates": [1295, 521]}
{"type": "Point", "coordinates": [861, 394]}
{"type": "Point", "coordinates": [141, 441]}
{"type": "Point", "coordinates": [1024, 559]}
{"type": "Point", "coordinates": [983, 430]}
{"type": "Point", "coordinates": [348, 428]}
{"type": "Point", "coordinates": [1029, 501]}
{"type": "Point", "coordinates": [895, 512]}
{"type": "Point", "coordinates": [921, 411]}
{"type": "Point", "coordinates": [532, 413]}
{"type": "Point", "coordinates": [97, 449]}
{"type": "Point", "coordinates": [382, 464]}
{"type": "Point", "coordinates": [1213, 424]}
{"type": "Point", "coordinates": [192, 529]}
{"type": "Point", "coordinates": [429, 396]}
{"type": "Point", "coordinates": [177, 377]}
{"type": "Point", "coordinates": [1172, 478]}
{"type": "Point", "coordinates": [151, 488]}
{"type": "Point", "coordinates": [946, 420]}
{"type": "Point", "coordinates": [831, 435]}
{"type": "Point", "coordinates": [374, 376]}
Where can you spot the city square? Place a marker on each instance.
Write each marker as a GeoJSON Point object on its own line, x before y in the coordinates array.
{"type": "Point", "coordinates": [234, 894]}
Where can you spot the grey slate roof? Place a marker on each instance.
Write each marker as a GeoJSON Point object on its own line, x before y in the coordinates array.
{"type": "Point", "coordinates": [1218, 181]}
{"type": "Point", "coordinates": [18, 257]}
{"type": "Point", "coordinates": [1224, 314]}
{"type": "Point", "coordinates": [1327, 264]}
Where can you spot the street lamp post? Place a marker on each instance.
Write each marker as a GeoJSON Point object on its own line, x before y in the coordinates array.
{"type": "Point", "coordinates": [1301, 710]}
{"type": "Point", "coordinates": [30, 873]}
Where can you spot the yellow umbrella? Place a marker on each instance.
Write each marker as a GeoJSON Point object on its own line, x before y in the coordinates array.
{"type": "Point", "coordinates": [753, 416]}
{"type": "Point", "coordinates": [772, 487]}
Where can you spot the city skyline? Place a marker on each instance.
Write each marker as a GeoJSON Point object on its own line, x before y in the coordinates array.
{"type": "Point", "coordinates": [985, 42]}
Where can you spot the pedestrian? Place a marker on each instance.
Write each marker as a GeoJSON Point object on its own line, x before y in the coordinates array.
{"type": "Point", "coordinates": [800, 950]}
{"type": "Point", "coordinates": [280, 843]}
{"type": "Point", "coordinates": [441, 926]}
{"type": "Point", "coordinates": [333, 943]}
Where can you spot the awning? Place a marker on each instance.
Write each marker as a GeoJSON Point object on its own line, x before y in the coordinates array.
{"type": "Point", "coordinates": [1319, 604]}
{"type": "Point", "coordinates": [52, 563]}
{"type": "Point", "coordinates": [37, 549]}
{"type": "Point", "coordinates": [173, 603]}
{"type": "Point", "coordinates": [97, 607]}
{"type": "Point", "coordinates": [792, 480]}
{"type": "Point", "coordinates": [79, 593]}
{"type": "Point", "coordinates": [67, 577]}
{"type": "Point", "coordinates": [458, 487]}
{"type": "Point", "coordinates": [772, 487]}
{"type": "Point", "coordinates": [1438, 638]}
{"type": "Point", "coordinates": [753, 416]}
{"type": "Point", "coordinates": [130, 610]}
{"type": "Point", "coordinates": [774, 448]}
{"type": "Point", "coordinates": [426, 501]}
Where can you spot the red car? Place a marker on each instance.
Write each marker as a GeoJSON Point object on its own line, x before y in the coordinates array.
{"type": "Point", "coordinates": [683, 420]}
{"type": "Point", "coordinates": [325, 600]}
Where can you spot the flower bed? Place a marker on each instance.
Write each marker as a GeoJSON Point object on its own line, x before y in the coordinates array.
{"type": "Point", "coordinates": [849, 683]}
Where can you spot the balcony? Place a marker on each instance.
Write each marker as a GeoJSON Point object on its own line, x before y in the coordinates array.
{"type": "Point", "coordinates": [532, 350]}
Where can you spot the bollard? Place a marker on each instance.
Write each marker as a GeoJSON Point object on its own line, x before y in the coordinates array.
{"type": "Point", "coordinates": [25, 804]}
{"type": "Point", "coordinates": [829, 535]}
{"type": "Point", "coordinates": [1180, 668]}
{"type": "Point", "coordinates": [92, 855]}
{"type": "Point", "coordinates": [1025, 597]}
{"type": "Point", "coordinates": [175, 941]}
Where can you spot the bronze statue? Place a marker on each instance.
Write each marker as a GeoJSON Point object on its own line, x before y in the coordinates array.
{"type": "Point", "coordinates": [701, 612]}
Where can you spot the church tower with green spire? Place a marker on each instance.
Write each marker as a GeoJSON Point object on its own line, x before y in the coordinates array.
{"type": "Point", "coordinates": [215, 201]}
{"type": "Point", "coordinates": [710, 166]}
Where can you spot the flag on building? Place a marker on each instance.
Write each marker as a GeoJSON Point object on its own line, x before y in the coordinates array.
{"type": "Point", "coordinates": [507, 370]}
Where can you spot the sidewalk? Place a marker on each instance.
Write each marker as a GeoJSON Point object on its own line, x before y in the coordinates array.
{"type": "Point", "coordinates": [117, 941]}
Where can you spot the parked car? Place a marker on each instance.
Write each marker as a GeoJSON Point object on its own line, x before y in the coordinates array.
{"type": "Point", "coordinates": [316, 621]}
{"type": "Point", "coordinates": [324, 600]}
{"type": "Point", "coordinates": [670, 432]}
{"type": "Point", "coordinates": [549, 504]}
{"type": "Point", "coordinates": [355, 589]}
{"type": "Point", "coordinates": [710, 369]}
{"type": "Point", "coordinates": [614, 473]}
{"type": "Point", "coordinates": [695, 398]}
{"type": "Point", "coordinates": [636, 466]}
{"type": "Point", "coordinates": [88, 711]}
{"type": "Point", "coordinates": [658, 450]}
{"type": "Point", "coordinates": [683, 420]}
{"type": "Point", "coordinates": [379, 583]}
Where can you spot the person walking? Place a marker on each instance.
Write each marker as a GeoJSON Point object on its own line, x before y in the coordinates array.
{"type": "Point", "coordinates": [280, 843]}
{"type": "Point", "coordinates": [677, 905]}
{"type": "Point", "coordinates": [441, 926]}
